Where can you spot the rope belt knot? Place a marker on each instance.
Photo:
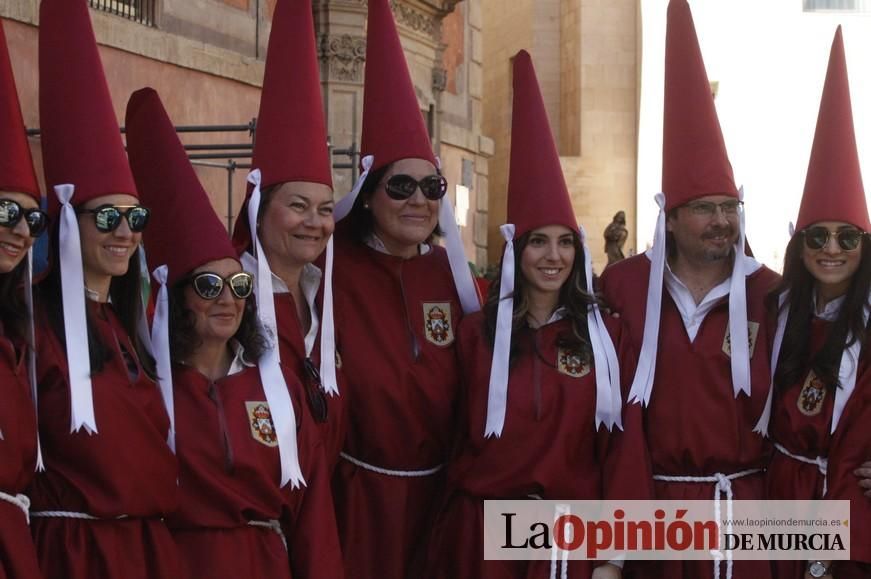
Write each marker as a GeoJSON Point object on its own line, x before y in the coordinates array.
{"type": "Point", "coordinates": [821, 462]}
{"type": "Point", "coordinates": [271, 525]}
{"type": "Point", "coordinates": [722, 486]}
{"type": "Point", "coordinates": [20, 501]}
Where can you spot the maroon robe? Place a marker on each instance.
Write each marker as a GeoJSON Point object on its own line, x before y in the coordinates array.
{"type": "Point", "coordinates": [695, 425]}
{"type": "Point", "coordinates": [291, 343]}
{"type": "Point", "coordinates": [549, 447]}
{"type": "Point", "coordinates": [229, 475]}
{"type": "Point", "coordinates": [396, 320]}
{"type": "Point", "coordinates": [17, 461]}
{"type": "Point", "coordinates": [809, 436]}
{"type": "Point", "coordinates": [126, 469]}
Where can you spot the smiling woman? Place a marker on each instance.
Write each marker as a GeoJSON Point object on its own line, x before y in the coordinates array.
{"type": "Point", "coordinates": [821, 403]}
{"type": "Point", "coordinates": [20, 223]}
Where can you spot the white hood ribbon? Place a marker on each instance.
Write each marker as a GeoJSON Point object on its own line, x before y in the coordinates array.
{"type": "Point", "coordinates": [344, 206]}
{"type": "Point", "coordinates": [497, 397]}
{"type": "Point", "coordinates": [783, 313]}
{"type": "Point", "coordinates": [642, 383]}
{"type": "Point", "coordinates": [274, 385]}
{"type": "Point", "coordinates": [609, 401]}
{"type": "Point", "coordinates": [739, 333]}
{"type": "Point", "coordinates": [847, 375]}
{"type": "Point", "coordinates": [31, 351]}
{"type": "Point", "coordinates": [160, 342]}
{"type": "Point", "coordinates": [457, 256]}
{"type": "Point", "coordinates": [329, 382]}
{"type": "Point", "coordinates": [75, 319]}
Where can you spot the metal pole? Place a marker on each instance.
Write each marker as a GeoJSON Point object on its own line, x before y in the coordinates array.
{"type": "Point", "coordinates": [231, 169]}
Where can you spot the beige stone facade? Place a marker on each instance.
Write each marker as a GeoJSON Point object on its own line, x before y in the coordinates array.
{"type": "Point", "coordinates": [205, 58]}
{"type": "Point", "coordinates": [587, 57]}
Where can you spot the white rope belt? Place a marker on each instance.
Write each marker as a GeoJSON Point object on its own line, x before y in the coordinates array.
{"type": "Point", "coordinates": [723, 486]}
{"type": "Point", "coordinates": [272, 525]}
{"type": "Point", "coordinates": [389, 472]}
{"type": "Point", "coordinates": [820, 462]}
{"type": "Point", "coordinates": [74, 515]}
{"type": "Point", "coordinates": [20, 501]}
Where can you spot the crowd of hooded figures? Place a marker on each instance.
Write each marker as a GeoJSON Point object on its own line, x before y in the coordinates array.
{"type": "Point", "coordinates": [328, 392]}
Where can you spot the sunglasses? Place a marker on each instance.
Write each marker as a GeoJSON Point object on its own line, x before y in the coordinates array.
{"type": "Point", "coordinates": [315, 393]}
{"type": "Point", "coordinates": [108, 217]}
{"type": "Point", "coordinates": [11, 213]}
{"type": "Point", "coordinates": [400, 187]}
{"type": "Point", "coordinates": [817, 238]}
{"type": "Point", "coordinates": [209, 285]}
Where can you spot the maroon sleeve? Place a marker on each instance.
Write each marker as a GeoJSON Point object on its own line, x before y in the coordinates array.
{"type": "Point", "coordinates": [851, 446]}
{"type": "Point", "coordinates": [312, 535]}
{"type": "Point", "coordinates": [627, 473]}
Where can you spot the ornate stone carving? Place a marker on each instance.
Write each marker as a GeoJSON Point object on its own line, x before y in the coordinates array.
{"type": "Point", "coordinates": [427, 24]}
{"type": "Point", "coordinates": [439, 79]}
{"type": "Point", "coordinates": [344, 56]}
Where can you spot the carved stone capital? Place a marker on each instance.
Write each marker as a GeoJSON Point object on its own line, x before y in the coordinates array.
{"type": "Point", "coordinates": [344, 56]}
{"type": "Point", "coordinates": [439, 79]}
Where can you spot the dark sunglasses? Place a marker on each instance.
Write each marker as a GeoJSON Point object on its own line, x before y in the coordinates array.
{"type": "Point", "coordinates": [108, 217]}
{"type": "Point", "coordinates": [817, 238]}
{"type": "Point", "coordinates": [209, 285]}
{"type": "Point", "coordinates": [314, 391]}
{"type": "Point", "coordinates": [11, 213]}
{"type": "Point", "coordinates": [400, 187]}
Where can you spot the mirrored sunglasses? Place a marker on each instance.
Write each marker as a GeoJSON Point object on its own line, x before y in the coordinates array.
{"type": "Point", "coordinates": [209, 285]}
{"type": "Point", "coordinates": [817, 238]}
{"type": "Point", "coordinates": [11, 213]}
{"type": "Point", "coordinates": [108, 217]}
{"type": "Point", "coordinates": [401, 186]}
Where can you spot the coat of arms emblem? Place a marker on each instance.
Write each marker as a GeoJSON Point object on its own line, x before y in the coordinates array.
{"type": "Point", "coordinates": [260, 421]}
{"type": "Point", "coordinates": [812, 395]}
{"type": "Point", "coordinates": [569, 362]}
{"type": "Point", "coordinates": [437, 324]}
{"type": "Point", "coordinates": [752, 332]}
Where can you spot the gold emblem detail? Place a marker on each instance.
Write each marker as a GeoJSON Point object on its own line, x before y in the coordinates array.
{"type": "Point", "coordinates": [812, 395]}
{"type": "Point", "coordinates": [437, 324]}
{"type": "Point", "coordinates": [752, 332]}
{"type": "Point", "coordinates": [260, 421]}
{"type": "Point", "coordinates": [569, 362]}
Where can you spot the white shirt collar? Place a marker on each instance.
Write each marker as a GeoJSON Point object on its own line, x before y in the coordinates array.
{"type": "Point", "coordinates": [375, 243]}
{"type": "Point", "coordinates": [831, 309]}
{"type": "Point", "coordinates": [691, 313]}
{"type": "Point", "coordinates": [239, 362]}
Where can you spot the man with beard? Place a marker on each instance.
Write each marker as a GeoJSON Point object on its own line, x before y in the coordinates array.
{"type": "Point", "coordinates": [702, 390]}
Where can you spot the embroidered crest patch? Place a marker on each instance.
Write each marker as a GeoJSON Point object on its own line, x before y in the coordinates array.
{"type": "Point", "coordinates": [752, 332]}
{"type": "Point", "coordinates": [812, 395]}
{"type": "Point", "coordinates": [260, 421]}
{"type": "Point", "coordinates": [569, 362]}
{"type": "Point", "coordinates": [437, 325]}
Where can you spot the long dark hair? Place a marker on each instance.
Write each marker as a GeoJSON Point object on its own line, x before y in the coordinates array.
{"type": "Point", "coordinates": [361, 222]}
{"type": "Point", "coordinates": [795, 357]}
{"type": "Point", "coordinates": [13, 311]}
{"type": "Point", "coordinates": [573, 297]}
{"type": "Point", "coordinates": [183, 339]}
{"type": "Point", "coordinates": [125, 292]}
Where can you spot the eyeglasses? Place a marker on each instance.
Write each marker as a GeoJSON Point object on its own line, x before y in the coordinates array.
{"type": "Point", "coordinates": [709, 209]}
{"type": "Point", "coordinates": [817, 238]}
{"type": "Point", "coordinates": [11, 213]}
{"type": "Point", "coordinates": [400, 187]}
{"type": "Point", "coordinates": [314, 391]}
{"type": "Point", "coordinates": [209, 285]}
{"type": "Point", "coordinates": [108, 217]}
